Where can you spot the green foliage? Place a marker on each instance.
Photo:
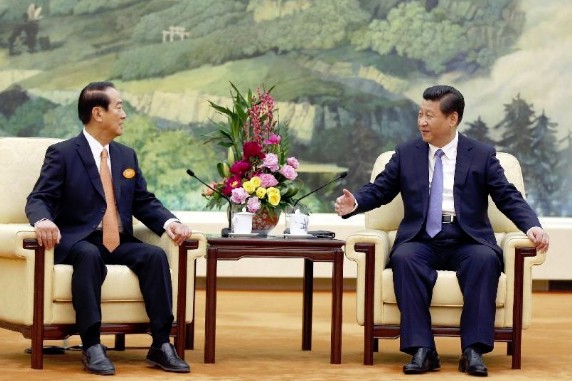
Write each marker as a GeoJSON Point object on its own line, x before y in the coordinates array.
{"type": "Point", "coordinates": [221, 31]}
{"type": "Point", "coordinates": [164, 156]}
{"type": "Point", "coordinates": [13, 9]}
{"type": "Point", "coordinates": [198, 17]}
{"type": "Point", "coordinates": [454, 32]}
{"type": "Point", "coordinates": [149, 61]}
{"type": "Point", "coordinates": [411, 32]}
{"type": "Point", "coordinates": [62, 7]}
{"type": "Point", "coordinates": [61, 122]}
{"type": "Point", "coordinates": [27, 120]}
{"type": "Point", "coordinates": [91, 7]}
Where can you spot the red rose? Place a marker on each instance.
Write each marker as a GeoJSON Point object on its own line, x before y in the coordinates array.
{"type": "Point", "coordinates": [252, 149]}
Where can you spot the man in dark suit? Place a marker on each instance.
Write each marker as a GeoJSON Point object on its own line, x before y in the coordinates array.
{"type": "Point", "coordinates": [68, 208]}
{"type": "Point", "coordinates": [461, 173]}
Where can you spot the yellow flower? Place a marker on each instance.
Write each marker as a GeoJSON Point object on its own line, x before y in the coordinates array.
{"type": "Point", "coordinates": [260, 192]}
{"type": "Point", "coordinates": [256, 181]}
{"type": "Point", "coordinates": [273, 196]}
{"type": "Point", "coordinates": [248, 186]}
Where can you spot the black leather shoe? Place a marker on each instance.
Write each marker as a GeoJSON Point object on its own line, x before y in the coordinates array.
{"type": "Point", "coordinates": [424, 360]}
{"type": "Point", "coordinates": [95, 360]}
{"type": "Point", "coordinates": [472, 362]}
{"type": "Point", "coordinates": [166, 357]}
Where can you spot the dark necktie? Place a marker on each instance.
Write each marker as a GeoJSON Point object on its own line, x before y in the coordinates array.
{"type": "Point", "coordinates": [435, 212]}
{"type": "Point", "coordinates": [109, 224]}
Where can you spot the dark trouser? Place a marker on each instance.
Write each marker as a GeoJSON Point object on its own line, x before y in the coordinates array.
{"type": "Point", "coordinates": [148, 262]}
{"type": "Point", "coordinates": [415, 266]}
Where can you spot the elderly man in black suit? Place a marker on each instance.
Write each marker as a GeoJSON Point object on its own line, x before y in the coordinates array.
{"type": "Point", "coordinates": [83, 203]}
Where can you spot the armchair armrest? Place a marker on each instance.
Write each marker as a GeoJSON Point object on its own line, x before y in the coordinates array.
{"type": "Point", "coordinates": [144, 234]}
{"type": "Point", "coordinates": [509, 244]}
{"type": "Point", "coordinates": [11, 239]}
{"type": "Point", "coordinates": [24, 269]}
{"type": "Point", "coordinates": [519, 256]}
{"type": "Point", "coordinates": [379, 241]}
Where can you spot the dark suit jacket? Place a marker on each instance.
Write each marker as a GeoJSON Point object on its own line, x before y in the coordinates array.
{"type": "Point", "coordinates": [478, 174]}
{"type": "Point", "coordinates": [70, 193]}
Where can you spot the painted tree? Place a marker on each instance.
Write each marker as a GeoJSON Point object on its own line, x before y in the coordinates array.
{"type": "Point", "coordinates": [515, 131]}
{"type": "Point", "coordinates": [564, 169]}
{"type": "Point", "coordinates": [479, 130]}
{"type": "Point", "coordinates": [516, 138]}
{"type": "Point", "coordinates": [544, 174]}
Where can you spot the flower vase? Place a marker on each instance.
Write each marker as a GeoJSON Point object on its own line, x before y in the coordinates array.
{"type": "Point", "coordinates": [264, 221]}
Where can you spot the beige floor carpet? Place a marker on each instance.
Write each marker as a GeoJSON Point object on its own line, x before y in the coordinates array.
{"type": "Point", "coordinates": [259, 338]}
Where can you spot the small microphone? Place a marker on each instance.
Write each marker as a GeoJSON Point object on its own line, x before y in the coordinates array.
{"type": "Point", "coordinates": [224, 231]}
{"type": "Point", "coordinates": [341, 176]}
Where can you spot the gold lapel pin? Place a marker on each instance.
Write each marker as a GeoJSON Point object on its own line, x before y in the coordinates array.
{"type": "Point", "coordinates": [129, 173]}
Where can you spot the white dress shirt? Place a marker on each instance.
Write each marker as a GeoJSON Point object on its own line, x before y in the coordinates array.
{"type": "Point", "coordinates": [449, 160]}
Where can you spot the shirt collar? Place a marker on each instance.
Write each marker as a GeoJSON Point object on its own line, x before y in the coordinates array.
{"type": "Point", "coordinates": [450, 149]}
{"type": "Point", "coordinates": [94, 145]}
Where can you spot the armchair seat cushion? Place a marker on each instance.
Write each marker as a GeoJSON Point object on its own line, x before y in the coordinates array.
{"type": "Point", "coordinates": [120, 285]}
{"type": "Point", "coordinates": [446, 292]}
{"type": "Point", "coordinates": [446, 304]}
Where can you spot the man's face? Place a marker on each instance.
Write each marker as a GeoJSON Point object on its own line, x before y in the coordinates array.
{"type": "Point", "coordinates": [113, 117]}
{"type": "Point", "coordinates": [436, 128]}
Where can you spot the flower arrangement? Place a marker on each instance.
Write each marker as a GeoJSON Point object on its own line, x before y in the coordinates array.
{"type": "Point", "coordinates": [258, 175]}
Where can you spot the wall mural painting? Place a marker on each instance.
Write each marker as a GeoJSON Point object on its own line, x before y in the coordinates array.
{"type": "Point", "coordinates": [348, 75]}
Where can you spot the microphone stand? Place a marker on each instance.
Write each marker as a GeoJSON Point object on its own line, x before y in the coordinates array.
{"type": "Point", "coordinates": [225, 231]}
{"type": "Point", "coordinates": [341, 176]}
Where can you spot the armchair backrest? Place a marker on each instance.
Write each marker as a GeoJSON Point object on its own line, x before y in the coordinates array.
{"type": "Point", "coordinates": [22, 160]}
{"type": "Point", "coordinates": [388, 217]}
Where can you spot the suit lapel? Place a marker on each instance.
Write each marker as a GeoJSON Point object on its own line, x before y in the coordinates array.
{"type": "Point", "coordinates": [422, 171]}
{"type": "Point", "coordinates": [462, 166]}
{"type": "Point", "coordinates": [88, 161]}
{"type": "Point", "coordinates": [463, 160]}
{"type": "Point", "coordinates": [116, 173]}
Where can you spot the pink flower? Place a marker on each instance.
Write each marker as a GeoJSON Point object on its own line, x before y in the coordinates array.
{"type": "Point", "coordinates": [289, 172]}
{"type": "Point", "coordinates": [239, 167]}
{"type": "Point", "coordinates": [293, 162]}
{"type": "Point", "coordinates": [271, 162]}
{"type": "Point", "coordinates": [253, 204]}
{"type": "Point", "coordinates": [273, 139]}
{"type": "Point", "coordinates": [267, 180]}
{"type": "Point", "coordinates": [239, 195]}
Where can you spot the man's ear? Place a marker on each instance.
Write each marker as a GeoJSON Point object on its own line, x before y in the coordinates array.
{"type": "Point", "coordinates": [453, 118]}
{"type": "Point", "coordinates": [96, 114]}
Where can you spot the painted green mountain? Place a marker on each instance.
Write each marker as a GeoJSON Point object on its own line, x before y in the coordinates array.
{"type": "Point", "coordinates": [342, 70]}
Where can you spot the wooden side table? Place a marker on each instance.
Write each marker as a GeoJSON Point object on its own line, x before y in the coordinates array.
{"type": "Point", "coordinates": [311, 250]}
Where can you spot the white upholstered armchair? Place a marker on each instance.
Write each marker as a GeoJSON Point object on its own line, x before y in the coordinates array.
{"type": "Point", "coordinates": [377, 308]}
{"type": "Point", "coordinates": [35, 294]}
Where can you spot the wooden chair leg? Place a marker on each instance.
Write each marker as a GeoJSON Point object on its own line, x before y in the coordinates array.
{"type": "Point", "coordinates": [509, 350]}
{"type": "Point", "coordinates": [190, 336]}
{"type": "Point", "coordinates": [119, 342]}
{"type": "Point", "coordinates": [376, 345]}
{"type": "Point", "coordinates": [368, 337]}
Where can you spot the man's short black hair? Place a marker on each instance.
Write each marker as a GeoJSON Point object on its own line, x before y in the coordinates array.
{"type": "Point", "coordinates": [93, 95]}
{"type": "Point", "coordinates": [450, 99]}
